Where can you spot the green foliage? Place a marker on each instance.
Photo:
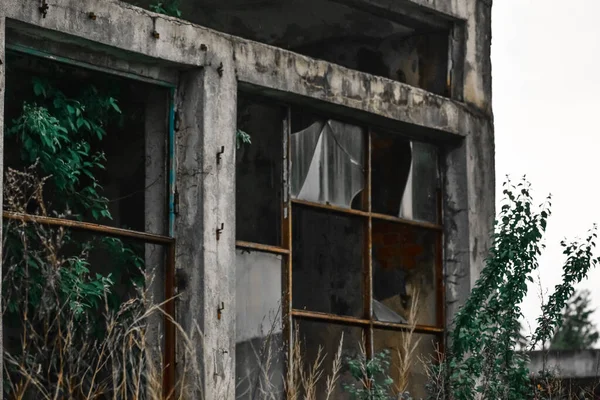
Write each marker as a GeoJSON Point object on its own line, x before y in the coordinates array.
{"type": "Point", "coordinates": [577, 331]}
{"type": "Point", "coordinates": [483, 361]}
{"type": "Point", "coordinates": [167, 7]}
{"type": "Point", "coordinates": [57, 132]}
{"type": "Point", "coordinates": [371, 376]}
{"type": "Point", "coordinates": [57, 135]}
{"type": "Point", "coordinates": [242, 138]}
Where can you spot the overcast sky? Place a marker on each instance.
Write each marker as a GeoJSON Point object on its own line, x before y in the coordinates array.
{"type": "Point", "coordinates": [546, 86]}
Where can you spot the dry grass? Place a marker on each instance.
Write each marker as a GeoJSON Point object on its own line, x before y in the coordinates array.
{"type": "Point", "coordinates": [407, 352]}
{"type": "Point", "coordinates": [63, 347]}
{"type": "Point", "coordinates": [304, 376]}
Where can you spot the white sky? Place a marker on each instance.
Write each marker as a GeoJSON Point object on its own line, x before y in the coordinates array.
{"type": "Point", "coordinates": [546, 97]}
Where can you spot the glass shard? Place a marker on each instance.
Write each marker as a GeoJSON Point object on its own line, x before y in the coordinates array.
{"type": "Point", "coordinates": [327, 160]}
{"type": "Point", "coordinates": [404, 178]}
{"type": "Point", "coordinates": [404, 276]}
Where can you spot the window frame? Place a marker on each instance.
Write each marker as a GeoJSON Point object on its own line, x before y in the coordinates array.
{"type": "Point", "coordinates": [367, 322]}
{"type": "Point", "coordinates": [167, 241]}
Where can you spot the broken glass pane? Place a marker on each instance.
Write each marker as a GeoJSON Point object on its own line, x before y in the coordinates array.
{"type": "Point", "coordinates": [327, 159]}
{"type": "Point", "coordinates": [259, 172]}
{"type": "Point", "coordinates": [404, 178]}
{"type": "Point", "coordinates": [408, 355]}
{"type": "Point", "coordinates": [259, 340]}
{"type": "Point", "coordinates": [327, 262]}
{"type": "Point", "coordinates": [404, 284]}
{"type": "Point", "coordinates": [312, 336]}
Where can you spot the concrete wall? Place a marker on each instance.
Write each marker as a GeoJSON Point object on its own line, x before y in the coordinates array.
{"type": "Point", "coordinates": [577, 364]}
{"type": "Point", "coordinates": [210, 66]}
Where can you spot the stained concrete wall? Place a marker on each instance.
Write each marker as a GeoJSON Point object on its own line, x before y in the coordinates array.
{"type": "Point", "coordinates": [210, 67]}
{"type": "Point", "coordinates": [578, 364]}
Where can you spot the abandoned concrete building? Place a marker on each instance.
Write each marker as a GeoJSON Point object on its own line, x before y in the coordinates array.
{"type": "Point", "coordinates": [297, 169]}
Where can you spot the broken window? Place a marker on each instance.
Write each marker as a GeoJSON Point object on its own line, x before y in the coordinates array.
{"type": "Point", "coordinates": [85, 215]}
{"type": "Point", "coordinates": [404, 178]}
{"type": "Point", "coordinates": [404, 274]}
{"type": "Point", "coordinates": [327, 159]}
{"type": "Point", "coordinates": [259, 337]}
{"type": "Point", "coordinates": [360, 246]}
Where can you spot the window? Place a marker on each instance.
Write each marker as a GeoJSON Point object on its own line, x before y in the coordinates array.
{"type": "Point", "coordinates": [347, 240]}
{"type": "Point", "coordinates": [87, 166]}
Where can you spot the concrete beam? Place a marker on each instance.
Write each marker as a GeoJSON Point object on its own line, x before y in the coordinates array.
{"type": "Point", "coordinates": [417, 14]}
{"type": "Point", "coordinates": [119, 26]}
{"type": "Point", "coordinates": [299, 76]}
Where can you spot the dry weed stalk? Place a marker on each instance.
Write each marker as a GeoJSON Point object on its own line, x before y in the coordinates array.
{"type": "Point", "coordinates": [436, 375]}
{"type": "Point", "coordinates": [303, 377]}
{"type": "Point", "coordinates": [406, 353]}
{"type": "Point", "coordinates": [60, 349]}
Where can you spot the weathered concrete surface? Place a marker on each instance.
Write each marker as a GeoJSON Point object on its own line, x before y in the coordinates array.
{"type": "Point", "coordinates": [128, 28]}
{"type": "Point", "coordinates": [205, 259]}
{"type": "Point", "coordinates": [207, 107]}
{"type": "Point", "coordinates": [577, 364]}
{"type": "Point", "coordinates": [156, 217]}
{"type": "Point", "coordinates": [268, 67]}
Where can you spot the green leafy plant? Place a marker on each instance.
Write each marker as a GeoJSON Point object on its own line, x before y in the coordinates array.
{"type": "Point", "coordinates": [57, 132]}
{"type": "Point", "coordinates": [483, 362]}
{"type": "Point", "coordinates": [167, 7]}
{"type": "Point", "coordinates": [57, 135]}
{"type": "Point", "coordinates": [371, 376]}
{"type": "Point", "coordinates": [242, 138]}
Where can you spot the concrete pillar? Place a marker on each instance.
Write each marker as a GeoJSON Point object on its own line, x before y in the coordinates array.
{"type": "Point", "coordinates": [457, 274]}
{"type": "Point", "coordinates": [205, 227]}
{"type": "Point", "coordinates": [155, 210]}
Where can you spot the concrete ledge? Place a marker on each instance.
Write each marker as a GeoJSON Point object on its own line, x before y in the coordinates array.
{"type": "Point", "coordinates": [581, 364]}
{"type": "Point", "coordinates": [120, 26]}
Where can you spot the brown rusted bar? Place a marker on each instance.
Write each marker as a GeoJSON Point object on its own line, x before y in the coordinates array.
{"type": "Point", "coordinates": [170, 333]}
{"type": "Point", "coordinates": [338, 319]}
{"type": "Point", "coordinates": [419, 224]}
{"type": "Point", "coordinates": [404, 327]}
{"type": "Point", "coordinates": [368, 250]}
{"type": "Point", "coordinates": [329, 207]}
{"type": "Point", "coordinates": [89, 227]}
{"type": "Point", "coordinates": [262, 247]}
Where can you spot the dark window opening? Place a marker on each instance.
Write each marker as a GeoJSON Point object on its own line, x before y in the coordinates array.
{"type": "Point", "coordinates": [359, 255]}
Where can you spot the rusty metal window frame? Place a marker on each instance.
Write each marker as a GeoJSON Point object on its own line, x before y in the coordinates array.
{"type": "Point", "coordinates": [169, 242]}
{"type": "Point", "coordinates": [367, 322]}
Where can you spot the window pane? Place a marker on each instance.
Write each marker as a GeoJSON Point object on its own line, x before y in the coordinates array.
{"type": "Point", "coordinates": [327, 262]}
{"type": "Point", "coordinates": [409, 354]}
{"type": "Point", "coordinates": [311, 336]}
{"type": "Point", "coordinates": [259, 172]}
{"type": "Point", "coordinates": [404, 178]}
{"type": "Point", "coordinates": [259, 349]}
{"type": "Point", "coordinates": [404, 284]}
{"type": "Point", "coordinates": [327, 160]}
